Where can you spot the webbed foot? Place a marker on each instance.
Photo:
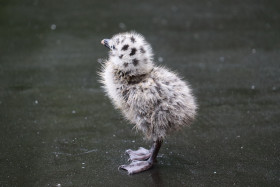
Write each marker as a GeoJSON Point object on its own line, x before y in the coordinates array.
{"type": "Point", "coordinates": [142, 159]}
{"type": "Point", "coordinates": [136, 167]}
{"type": "Point", "coordinates": [140, 154]}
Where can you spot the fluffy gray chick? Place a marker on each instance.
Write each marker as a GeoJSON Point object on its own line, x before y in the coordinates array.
{"type": "Point", "coordinates": [153, 98]}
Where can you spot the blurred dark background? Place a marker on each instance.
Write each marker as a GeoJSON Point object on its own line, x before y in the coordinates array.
{"type": "Point", "coordinates": [58, 129]}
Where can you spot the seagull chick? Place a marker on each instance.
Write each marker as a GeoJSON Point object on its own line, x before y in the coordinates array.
{"type": "Point", "coordinates": [153, 98]}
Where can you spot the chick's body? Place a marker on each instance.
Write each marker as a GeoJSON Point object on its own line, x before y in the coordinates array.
{"type": "Point", "coordinates": [157, 102]}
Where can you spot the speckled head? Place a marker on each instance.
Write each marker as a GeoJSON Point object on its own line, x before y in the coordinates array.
{"type": "Point", "coordinates": [130, 53]}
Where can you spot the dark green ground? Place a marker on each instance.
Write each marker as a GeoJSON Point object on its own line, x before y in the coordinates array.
{"type": "Point", "coordinates": [57, 127]}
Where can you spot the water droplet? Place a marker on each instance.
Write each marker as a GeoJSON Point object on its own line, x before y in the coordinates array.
{"type": "Point", "coordinates": [160, 59]}
{"type": "Point", "coordinates": [133, 141]}
{"type": "Point", "coordinates": [254, 51]}
{"type": "Point", "coordinates": [196, 36]}
{"type": "Point", "coordinates": [122, 26]}
{"type": "Point", "coordinates": [58, 42]}
{"type": "Point", "coordinates": [215, 172]}
{"type": "Point", "coordinates": [253, 87]}
{"type": "Point", "coordinates": [163, 21]}
{"type": "Point", "coordinates": [73, 111]}
{"type": "Point", "coordinates": [267, 25]}
{"type": "Point", "coordinates": [174, 8]}
{"type": "Point", "coordinates": [36, 102]}
{"type": "Point", "coordinates": [53, 27]}
{"type": "Point", "coordinates": [241, 147]}
{"type": "Point", "coordinates": [238, 136]}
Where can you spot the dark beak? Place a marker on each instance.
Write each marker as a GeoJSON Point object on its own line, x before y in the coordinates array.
{"type": "Point", "coordinates": [105, 42]}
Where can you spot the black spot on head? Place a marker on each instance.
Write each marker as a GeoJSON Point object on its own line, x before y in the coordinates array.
{"type": "Point", "coordinates": [120, 56]}
{"type": "Point", "coordinates": [125, 47]}
{"type": "Point", "coordinates": [114, 47]}
{"type": "Point", "coordinates": [132, 39]}
{"type": "Point", "coordinates": [135, 62]}
{"type": "Point", "coordinates": [133, 51]}
{"type": "Point", "coordinates": [142, 50]}
{"type": "Point", "coordinates": [125, 64]}
{"type": "Point", "coordinates": [123, 40]}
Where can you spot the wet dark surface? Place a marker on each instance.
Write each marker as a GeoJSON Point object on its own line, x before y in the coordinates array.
{"type": "Point", "coordinates": [58, 128]}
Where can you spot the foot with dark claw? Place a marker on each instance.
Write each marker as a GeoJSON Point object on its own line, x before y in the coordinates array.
{"type": "Point", "coordinates": [142, 159]}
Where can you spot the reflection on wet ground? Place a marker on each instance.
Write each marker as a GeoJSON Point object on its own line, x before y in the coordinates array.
{"type": "Point", "coordinates": [58, 128]}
